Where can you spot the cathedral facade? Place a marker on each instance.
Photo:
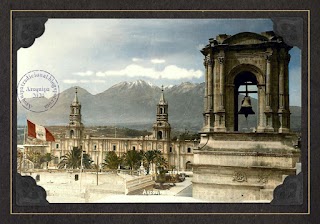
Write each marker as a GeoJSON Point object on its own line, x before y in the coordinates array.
{"type": "Point", "coordinates": [179, 153]}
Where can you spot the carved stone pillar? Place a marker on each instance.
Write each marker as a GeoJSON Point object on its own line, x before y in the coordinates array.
{"type": "Point", "coordinates": [261, 102]}
{"type": "Point", "coordinates": [268, 81]}
{"type": "Point", "coordinates": [284, 111]}
{"type": "Point", "coordinates": [221, 62]}
{"type": "Point", "coordinates": [208, 108]}
{"type": "Point", "coordinates": [206, 86]}
{"type": "Point", "coordinates": [268, 111]}
{"type": "Point", "coordinates": [281, 82]}
{"type": "Point", "coordinates": [220, 116]}
{"type": "Point", "coordinates": [210, 84]}
{"type": "Point", "coordinates": [215, 86]}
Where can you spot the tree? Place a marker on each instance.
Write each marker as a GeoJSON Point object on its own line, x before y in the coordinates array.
{"type": "Point", "coordinates": [153, 157]}
{"type": "Point", "coordinates": [111, 160]}
{"type": "Point", "coordinates": [149, 157]}
{"type": "Point", "coordinates": [132, 159]}
{"type": "Point", "coordinates": [35, 157]}
{"type": "Point", "coordinates": [47, 158]}
{"type": "Point", "coordinates": [161, 163]}
{"type": "Point", "coordinates": [73, 160]}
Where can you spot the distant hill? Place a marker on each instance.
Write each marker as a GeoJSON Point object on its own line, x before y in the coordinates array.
{"type": "Point", "coordinates": [133, 105]}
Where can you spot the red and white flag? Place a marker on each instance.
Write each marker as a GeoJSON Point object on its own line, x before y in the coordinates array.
{"type": "Point", "coordinates": [39, 132]}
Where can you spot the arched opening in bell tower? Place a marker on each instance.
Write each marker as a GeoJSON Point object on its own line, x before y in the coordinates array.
{"type": "Point", "coordinates": [160, 135]}
{"type": "Point", "coordinates": [245, 102]}
{"type": "Point", "coordinates": [71, 134]}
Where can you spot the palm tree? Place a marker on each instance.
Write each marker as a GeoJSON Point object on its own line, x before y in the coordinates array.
{"type": "Point", "coordinates": [73, 160]}
{"type": "Point", "coordinates": [161, 162]}
{"type": "Point", "coordinates": [149, 157]}
{"type": "Point", "coordinates": [111, 160]}
{"type": "Point", "coordinates": [153, 157]}
{"type": "Point", "coordinates": [47, 158]}
{"type": "Point", "coordinates": [132, 159]}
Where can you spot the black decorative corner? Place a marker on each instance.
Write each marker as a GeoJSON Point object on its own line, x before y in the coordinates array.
{"type": "Point", "coordinates": [290, 192]}
{"type": "Point", "coordinates": [28, 193]}
{"type": "Point", "coordinates": [27, 29]}
{"type": "Point", "coordinates": [291, 29]}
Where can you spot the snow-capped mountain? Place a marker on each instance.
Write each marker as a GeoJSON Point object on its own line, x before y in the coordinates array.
{"type": "Point", "coordinates": [133, 104]}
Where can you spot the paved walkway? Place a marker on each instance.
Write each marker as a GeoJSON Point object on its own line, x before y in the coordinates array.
{"type": "Point", "coordinates": [187, 192]}
{"type": "Point", "coordinates": [62, 188]}
{"type": "Point", "coordinates": [182, 192]}
{"type": "Point", "coordinates": [178, 188]}
{"type": "Point", "coordinates": [147, 199]}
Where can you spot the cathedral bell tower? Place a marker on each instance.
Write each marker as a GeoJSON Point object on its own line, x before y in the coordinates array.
{"type": "Point", "coordinates": [75, 127]}
{"type": "Point", "coordinates": [162, 128]}
{"type": "Point", "coordinates": [237, 161]}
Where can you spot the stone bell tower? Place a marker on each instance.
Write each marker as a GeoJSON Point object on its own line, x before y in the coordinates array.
{"type": "Point", "coordinates": [162, 128]}
{"type": "Point", "coordinates": [247, 59]}
{"type": "Point", "coordinates": [231, 165]}
{"type": "Point", "coordinates": [75, 127]}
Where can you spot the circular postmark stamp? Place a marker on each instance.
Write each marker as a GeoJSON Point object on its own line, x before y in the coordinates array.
{"type": "Point", "coordinates": [38, 91]}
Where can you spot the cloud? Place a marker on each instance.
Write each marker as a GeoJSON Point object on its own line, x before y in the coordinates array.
{"type": "Point", "coordinates": [98, 81]}
{"type": "Point", "coordinates": [70, 81]}
{"type": "Point", "coordinates": [171, 72]}
{"type": "Point", "coordinates": [84, 81]}
{"type": "Point", "coordinates": [100, 74]}
{"type": "Point", "coordinates": [157, 61]}
{"type": "Point", "coordinates": [87, 73]}
{"type": "Point", "coordinates": [137, 59]}
{"type": "Point", "coordinates": [200, 46]}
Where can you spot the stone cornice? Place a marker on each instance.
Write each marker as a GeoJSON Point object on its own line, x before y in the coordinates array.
{"type": "Point", "coordinates": [207, 167]}
{"type": "Point", "coordinates": [234, 153]}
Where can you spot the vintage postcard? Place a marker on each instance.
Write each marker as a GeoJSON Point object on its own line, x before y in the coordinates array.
{"type": "Point", "coordinates": [157, 115]}
{"type": "Point", "coordinates": [158, 110]}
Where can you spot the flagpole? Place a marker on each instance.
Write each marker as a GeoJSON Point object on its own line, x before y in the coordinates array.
{"type": "Point", "coordinates": [24, 149]}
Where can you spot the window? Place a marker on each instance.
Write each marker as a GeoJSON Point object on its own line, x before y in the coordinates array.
{"type": "Point", "coordinates": [71, 133]}
{"type": "Point", "coordinates": [114, 148]}
{"type": "Point", "coordinates": [133, 148]}
{"type": "Point", "coordinates": [189, 149]}
{"type": "Point", "coordinates": [57, 146]}
{"type": "Point", "coordinates": [159, 134]}
{"type": "Point", "coordinates": [170, 150]}
{"type": "Point", "coordinates": [95, 147]}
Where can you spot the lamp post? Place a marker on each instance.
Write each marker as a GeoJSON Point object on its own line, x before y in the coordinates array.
{"type": "Point", "coordinates": [97, 170]}
{"type": "Point", "coordinates": [81, 169]}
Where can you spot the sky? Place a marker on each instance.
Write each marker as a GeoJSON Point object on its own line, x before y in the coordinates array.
{"type": "Point", "coordinates": [97, 53]}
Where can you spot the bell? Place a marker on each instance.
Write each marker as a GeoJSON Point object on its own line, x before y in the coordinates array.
{"type": "Point", "coordinates": [246, 107]}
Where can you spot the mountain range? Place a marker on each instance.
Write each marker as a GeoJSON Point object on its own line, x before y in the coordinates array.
{"type": "Point", "coordinates": [133, 105]}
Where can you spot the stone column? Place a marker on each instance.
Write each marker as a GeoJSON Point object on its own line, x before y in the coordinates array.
{"type": "Point", "coordinates": [221, 62]}
{"type": "Point", "coordinates": [281, 84]}
{"type": "Point", "coordinates": [206, 85]}
{"type": "Point", "coordinates": [286, 86]}
{"type": "Point", "coordinates": [261, 103]}
{"type": "Point", "coordinates": [208, 112]}
{"type": "Point", "coordinates": [216, 92]}
{"type": "Point", "coordinates": [268, 109]}
{"type": "Point", "coordinates": [215, 85]}
{"type": "Point", "coordinates": [268, 81]}
{"type": "Point", "coordinates": [284, 111]}
{"type": "Point", "coordinates": [210, 84]}
{"type": "Point", "coordinates": [220, 120]}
